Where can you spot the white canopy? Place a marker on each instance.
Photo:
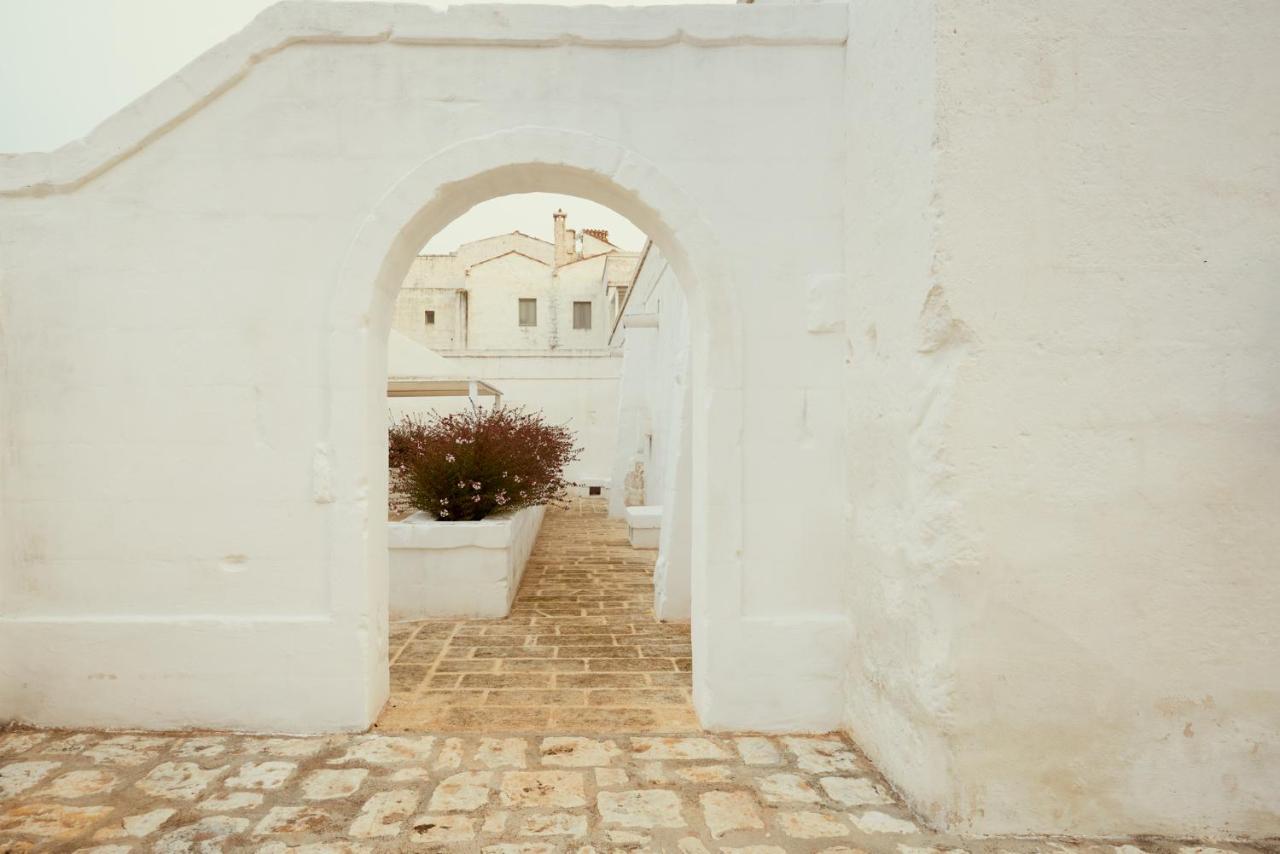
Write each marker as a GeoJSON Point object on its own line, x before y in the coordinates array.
{"type": "Point", "coordinates": [417, 371]}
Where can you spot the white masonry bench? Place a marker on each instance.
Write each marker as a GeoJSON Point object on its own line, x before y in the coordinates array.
{"type": "Point", "coordinates": [458, 569]}
{"type": "Point", "coordinates": [643, 526]}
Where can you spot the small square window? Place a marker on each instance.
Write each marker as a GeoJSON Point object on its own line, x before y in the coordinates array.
{"type": "Point", "coordinates": [593, 490]}
{"type": "Point", "coordinates": [429, 317]}
{"type": "Point", "coordinates": [528, 312]}
{"type": "Point", "coordinates": [582, 315]}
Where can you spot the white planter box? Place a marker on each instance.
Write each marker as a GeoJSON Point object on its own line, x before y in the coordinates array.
{"type": "Point", "coordinates": [458, 569]}
{"type": "Point", "coordinates": [644, 525]}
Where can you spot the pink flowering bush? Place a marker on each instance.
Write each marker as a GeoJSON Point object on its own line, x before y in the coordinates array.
{"type": "Point", "coordinates": [473, 464]}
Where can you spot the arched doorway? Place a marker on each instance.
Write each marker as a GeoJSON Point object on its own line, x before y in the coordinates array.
{"type": "Point", "coordinates": [555, 302]}
{"type": "Point", "coordinates": [440, 189]}
{"type": "Point", "coordinates": [252, 217]}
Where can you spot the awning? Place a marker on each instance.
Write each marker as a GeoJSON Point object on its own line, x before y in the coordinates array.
{"type": "Point", "coordinates": [415, 387]}
{"type": "Point", "coordinates": [417, 371]}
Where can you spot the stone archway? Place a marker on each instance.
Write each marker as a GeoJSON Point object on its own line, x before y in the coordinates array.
{"type": "Point", "coordinates": [222, 327]}
{"type": "Point", "coordinates": [520, 160]}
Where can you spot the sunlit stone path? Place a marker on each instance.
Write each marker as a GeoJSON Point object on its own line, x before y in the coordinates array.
{"type": "Point", "coordinates": [579, 651]}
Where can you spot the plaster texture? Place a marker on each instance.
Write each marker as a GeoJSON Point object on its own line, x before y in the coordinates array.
{"type": "Point", "coordinates": [655, 410]}
{"type": "Point", "coordinates": [458, 569]}
{"type": "Point", "coordinates": [991, 483]}
{"type": "Point", "coordinates": [220, 489]}
{"type": "Point", "coordinates": [1062, 413]}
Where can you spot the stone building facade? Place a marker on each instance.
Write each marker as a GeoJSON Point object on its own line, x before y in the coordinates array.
{"type": "Point", "coordinates": [517, 292]}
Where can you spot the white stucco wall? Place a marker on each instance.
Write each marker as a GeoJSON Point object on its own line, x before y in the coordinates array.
{"type": "Point", "coordinates": [446, 332]}
{"type": "Point", "coordinates": [469, 254]}
{"type": "Point", "coordinates": [655, 369]}
{"type": "Point", "coordinates": [195, 511]}
{"type": "Point", "coordinates": [654, 416]}
{"type": "Point", "coordinates": [983, 438]}
{"type": "Point", "coordinates": [494, 290]}
{"type": "Point", "coordinates": [1062, 412]}
{"type": "Point", "coordinates": [581, 281]}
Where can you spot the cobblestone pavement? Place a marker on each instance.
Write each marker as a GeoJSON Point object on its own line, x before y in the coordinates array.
{"type": "Point", "coordinates": [581, 664]}
{"type": "Point", "coordinates": [113, 793]}
{"type": "Point", "coordinates": [580, 651]}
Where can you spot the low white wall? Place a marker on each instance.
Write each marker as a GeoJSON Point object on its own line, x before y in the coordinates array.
{"type": "Point", "coordinates": [575, 388]}
{"type": "Point", "coordinates": [458, 569]}
{"type": "Point", "coordinates": [643, 526]}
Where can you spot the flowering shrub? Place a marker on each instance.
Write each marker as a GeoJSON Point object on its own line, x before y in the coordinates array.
{"type": "Point", "coordinates": [470, 465]}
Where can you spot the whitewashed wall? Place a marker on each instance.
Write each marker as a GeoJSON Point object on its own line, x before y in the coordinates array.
{"type": "Point", "coordinates": [446, 332]}
{"type": "Point", "coordinates": [655, 357]}
{"type": "Point", "coordinates": [194, 495]}
{"type": "Point", "coordinates": [656, 360]}
{"type": "Point", "coordinates": [581, 281]}
{"type": "Point", "coordinates": [654, 422]}
{"type": "Point", "coordinates": [1029, 438]}
{"type": "Point", "coordinates": [494, 290]}
{"type": "Point", "coordinates": [1064, 412]}
{"type": "Point", "coordinates": [576, 389]}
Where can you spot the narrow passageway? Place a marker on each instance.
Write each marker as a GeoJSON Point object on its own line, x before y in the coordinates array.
{"type": "Point", "coordinates": [579, 652]}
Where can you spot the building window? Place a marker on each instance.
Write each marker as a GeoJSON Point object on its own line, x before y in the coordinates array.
{"type": "Point", "coordinates": [429, 317]}
{"type": "Point", "coordinates": [528, 312]}
{"type": "Point", "coordinates": [582, 315]}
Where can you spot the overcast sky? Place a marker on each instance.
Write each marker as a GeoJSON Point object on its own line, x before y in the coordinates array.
{"type": "Point", "coordinates": [65, 65]}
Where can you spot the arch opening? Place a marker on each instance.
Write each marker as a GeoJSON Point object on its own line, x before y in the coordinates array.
{"type": "Point", "coordinates": [392, 236]}
{"type": "Point", "coordinates": [580, 328]}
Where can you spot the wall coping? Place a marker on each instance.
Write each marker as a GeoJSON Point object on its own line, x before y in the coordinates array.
{"type": "Point", "coordinates": [649, 516]}
{"type": "Point", "coordinates": [420, 531]}
{"type": "Point", "coordinates": [301, 22]}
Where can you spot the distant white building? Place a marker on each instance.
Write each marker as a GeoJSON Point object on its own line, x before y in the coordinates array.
{"type": "Point", "coordinates": [517, 292]}
{"type": "Point", "coordinates": [533, 318]}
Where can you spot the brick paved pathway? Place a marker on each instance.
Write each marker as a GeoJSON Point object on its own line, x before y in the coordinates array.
{"type": "Point", "coordinates": [579, 651]}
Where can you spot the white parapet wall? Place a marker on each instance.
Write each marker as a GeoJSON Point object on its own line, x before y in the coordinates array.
{"type": "Point", "coordinates": [459, 569]}
{"type": "Point", "coordinates": [195, 453]}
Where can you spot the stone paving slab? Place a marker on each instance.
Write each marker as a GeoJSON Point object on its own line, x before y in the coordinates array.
{"type": "Point", "coordinates": [579, 652]}
{"type": "Point", "coordinates": [112, 793]}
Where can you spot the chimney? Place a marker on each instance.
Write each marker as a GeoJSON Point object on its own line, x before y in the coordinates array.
{"type": "Point", "coordinates": [564, 251]}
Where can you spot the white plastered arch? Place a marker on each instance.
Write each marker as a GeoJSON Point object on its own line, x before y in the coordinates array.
{"type": "Point", "coordinates": [434, 193]}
